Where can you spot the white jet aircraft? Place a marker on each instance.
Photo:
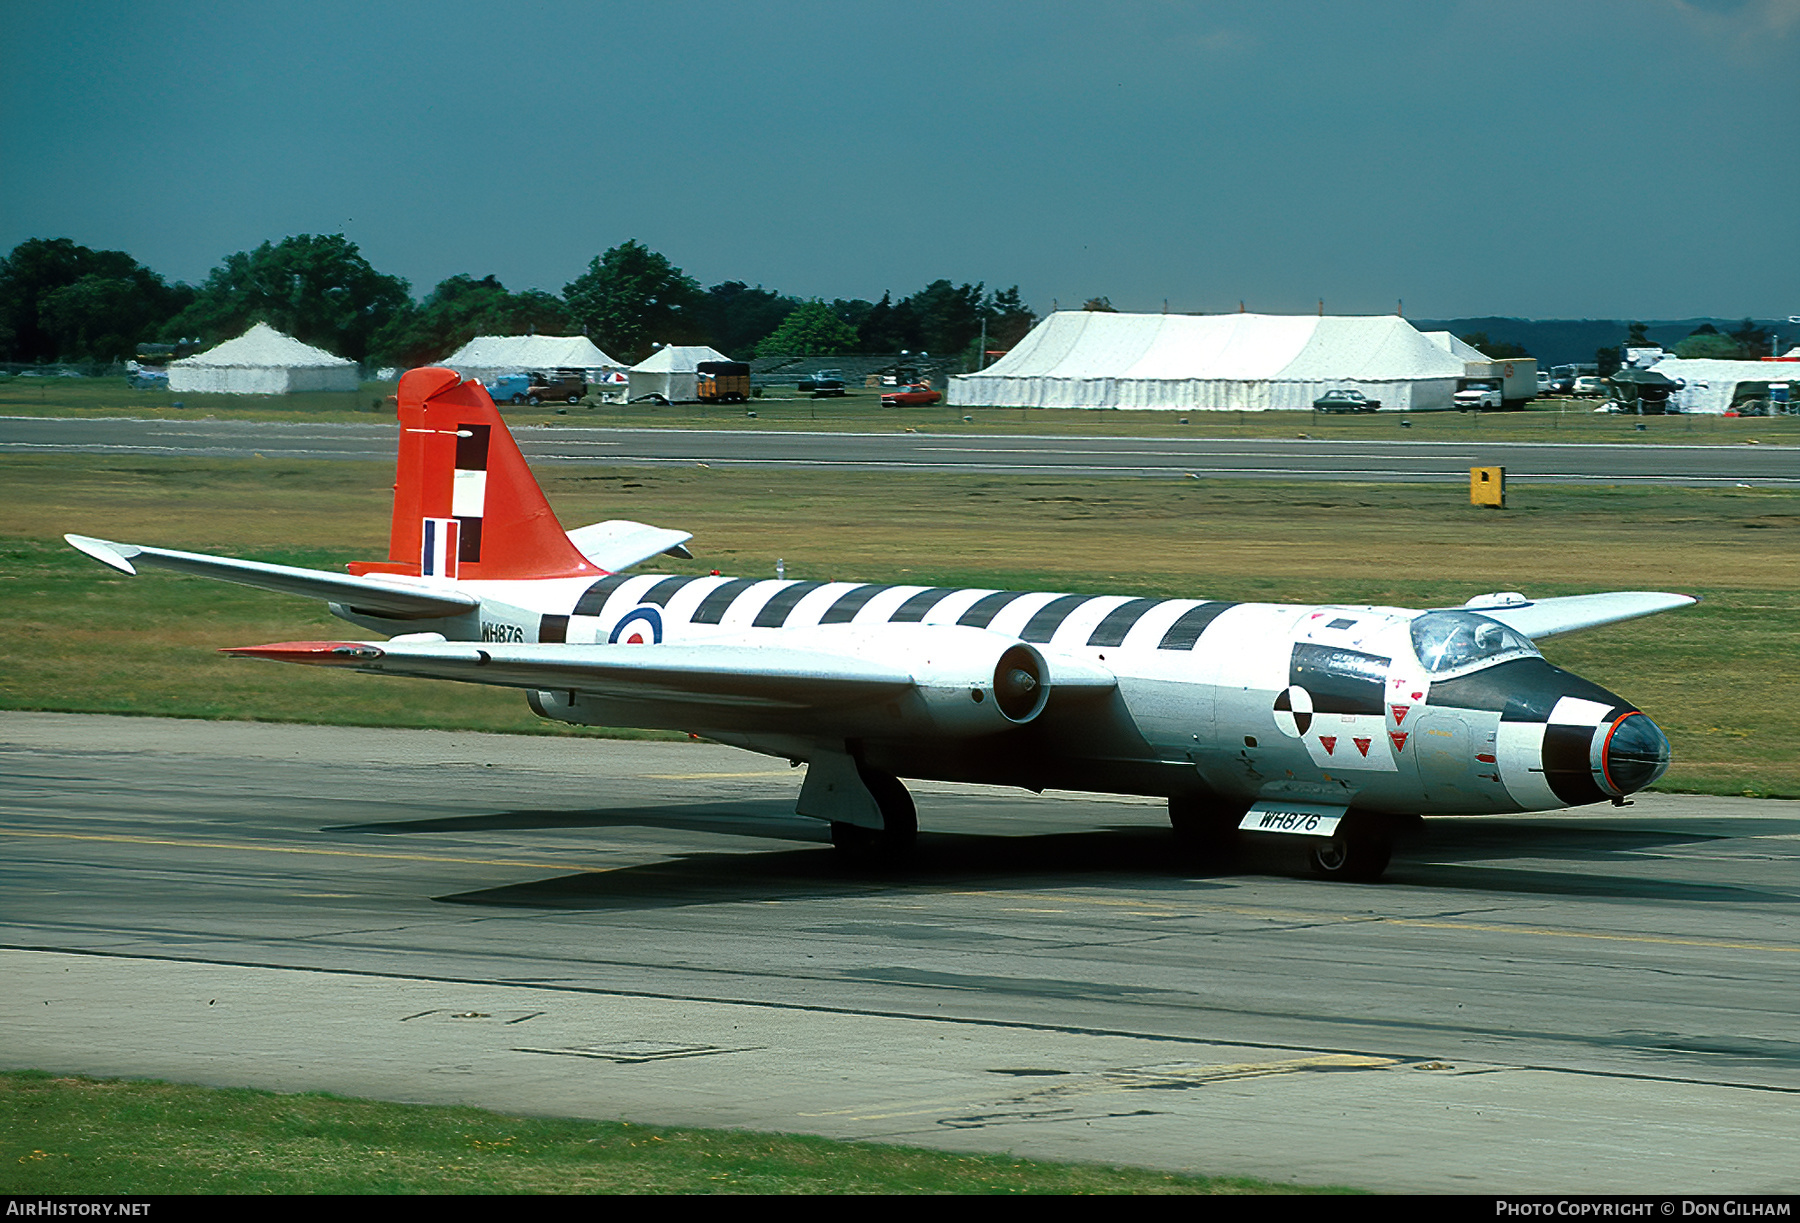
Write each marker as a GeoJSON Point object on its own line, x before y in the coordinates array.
{"type": "Point", "coordinates": [1337, 724]}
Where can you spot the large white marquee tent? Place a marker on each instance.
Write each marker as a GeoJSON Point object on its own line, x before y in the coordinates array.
{"type": "Point", "coordinates": [1712, 384]}
{"type": "Point", "coordinates": [263, 361]}
{"type": "Point", "coordinates": [487, 357]}
{"type": "Point", "coordinates": [1467, 353]}
{"type": "Point", "coordinates": [1251, 362]}
{"type": "Point", "coordinates": [672, 372]}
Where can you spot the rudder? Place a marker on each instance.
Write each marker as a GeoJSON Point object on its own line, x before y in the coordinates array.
{"type": "Point", "coordinates": [465, 503]}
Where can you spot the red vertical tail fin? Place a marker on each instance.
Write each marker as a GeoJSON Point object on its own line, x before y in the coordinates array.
{"type": "Point", "coordinates": [465, 504]}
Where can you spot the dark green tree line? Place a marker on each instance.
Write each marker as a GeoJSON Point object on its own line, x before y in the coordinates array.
{"type": "Point", "coordinates": [457, 311]}
{"type": "Point", "coordinates": [318, 289]}
{"type": "Point", "coordinates": [631, 299]}
{"type": "Point", "coordinates": [737, 316]}
{"type": "Point", "coordinates": [1494, 350]}
{"type": "Point", "coordinates": [812, 330]}
{"type": "Point", "coordinates": [63, 302]}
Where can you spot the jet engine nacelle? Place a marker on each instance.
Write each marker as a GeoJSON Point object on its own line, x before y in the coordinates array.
{"type": "Point", "coordinates": [967, 681]}
{"type": "Point", "coordinates": [939, 681]}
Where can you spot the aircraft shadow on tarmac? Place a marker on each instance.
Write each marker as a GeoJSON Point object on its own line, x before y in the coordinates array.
{"type": "Point", "coordinates": [1447, 854]}
{"type": "Point", "coordinates": [1601, 862]}
{"type": "Point", "coordinates": [1133, 856]}
{"type": "Point", "coordinates": [773, 820]}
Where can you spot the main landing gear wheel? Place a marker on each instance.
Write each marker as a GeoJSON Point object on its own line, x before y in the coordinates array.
{"type": "Point", "coordinates": [1354, 856]}
{"type": "Point", "coordinates": [893, 841]}
{"type": "Point", "coordinates": [1205, 829]}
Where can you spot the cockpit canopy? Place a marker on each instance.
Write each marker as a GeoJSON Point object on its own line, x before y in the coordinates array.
{"type": "Point", "coordinates": [1449, 642]}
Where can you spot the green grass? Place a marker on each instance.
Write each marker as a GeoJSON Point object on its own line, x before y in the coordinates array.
{"type": "Point", "coordinates": [111, 396]}
{"type": "Point", "coordinates": [784, 409]}
{"type": "Point", "coordinates": [1722, 679]}
{"type": "Point", "coordinates": [115, 1136]}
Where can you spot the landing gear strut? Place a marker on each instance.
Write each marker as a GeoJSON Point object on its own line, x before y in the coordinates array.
{"type": "Point", "coordinates": [1205, 828]}
{"type": "Point", "coordinates": [893, 841]}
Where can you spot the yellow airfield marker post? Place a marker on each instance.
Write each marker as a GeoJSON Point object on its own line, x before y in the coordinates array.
{"type": "Point", "coordinates": [1487, 486]}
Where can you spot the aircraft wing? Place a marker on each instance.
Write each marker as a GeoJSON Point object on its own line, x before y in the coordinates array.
{"type": "Point", "coordinates": [1538, 618]}
{"type": "Point", "coordinates": [770, 677]}
{"type": "Point", "coordinates": [367, 594]}
{"type": "Point", "coordinates": [923, 679]}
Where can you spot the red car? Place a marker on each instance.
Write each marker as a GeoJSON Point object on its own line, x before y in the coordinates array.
{"type": "Point", "coordinates": [913, 395]}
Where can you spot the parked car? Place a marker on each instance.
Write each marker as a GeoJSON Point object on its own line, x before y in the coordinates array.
{"type": "Point", "coordinates": [1345, 401]}
{"type": "Point", "coordinates": [535, 388]}
{"type": "Point", "coordinates": [566, 385]}
{"type": "Point", "coordinates": [146, 378]}
{"type": "Point", "coordinates": [825, 382]}
{"type": "Point", "coordinates": [1589, 387]}
{"type": "Point", "coordinates": [509, 388]}
{"type": "Point", "coordinates": [1543, 382]}
{"type": "Point", "coordinates": [911, 396]}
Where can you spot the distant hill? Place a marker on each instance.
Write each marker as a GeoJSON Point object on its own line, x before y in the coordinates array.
{"type": "Point", "coordinates": [1567, 341]}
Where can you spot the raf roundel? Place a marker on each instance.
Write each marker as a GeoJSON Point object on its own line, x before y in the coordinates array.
{"type": "Point", "coordinates": [640, 626]}
{"type": "Point", "coordinates": [1294, 711]}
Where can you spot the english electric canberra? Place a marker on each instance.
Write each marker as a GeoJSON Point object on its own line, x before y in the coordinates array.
{"type": "Point", "coordinates": [1333, 723]}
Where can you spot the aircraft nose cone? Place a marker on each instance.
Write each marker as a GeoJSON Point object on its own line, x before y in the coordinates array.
{"type": "Point", "coordinates": [1635, 753]}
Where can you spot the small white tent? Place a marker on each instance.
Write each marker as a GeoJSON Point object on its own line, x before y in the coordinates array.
{"type": "Point", "coordinates": [263, 361]}
{"type": "Point", "coordinates": [1255, 362]}
{"type": "Point", "coordinates": [670, 372]}
{"type": "Point", "coordinates": [1711, 385]}
{"type": "Point", "coordinates": [487, 357]}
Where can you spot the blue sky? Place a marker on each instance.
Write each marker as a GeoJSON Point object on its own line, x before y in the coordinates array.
{"type": "Point", "coordinates": [1606, 158]}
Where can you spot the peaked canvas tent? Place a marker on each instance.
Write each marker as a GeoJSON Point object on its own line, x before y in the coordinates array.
{"type": "Point", "coordinates": [1250, 362]}
{"type": "Point", "coordinates": [671, 373]}
{"type": "Point", "coordinates": [263, 361]}
{"type": "Point", "coordinates": [487, 357]}
{"type": "Point", "coordinates": [1457, 348]}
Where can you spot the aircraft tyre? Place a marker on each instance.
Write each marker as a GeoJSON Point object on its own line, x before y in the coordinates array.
{"type": "Point", "coordinates": [893, 841]}
{"type": "Point", "coordinates": [1205, 829]}
{"type": "Point", "coordinates": [1354, 856]}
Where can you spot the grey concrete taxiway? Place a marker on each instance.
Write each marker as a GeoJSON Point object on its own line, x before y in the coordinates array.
{"type": "Point", "coordinates": [1392, 460]}
{"type": "Point", "coordinates": [1603, 1000]}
